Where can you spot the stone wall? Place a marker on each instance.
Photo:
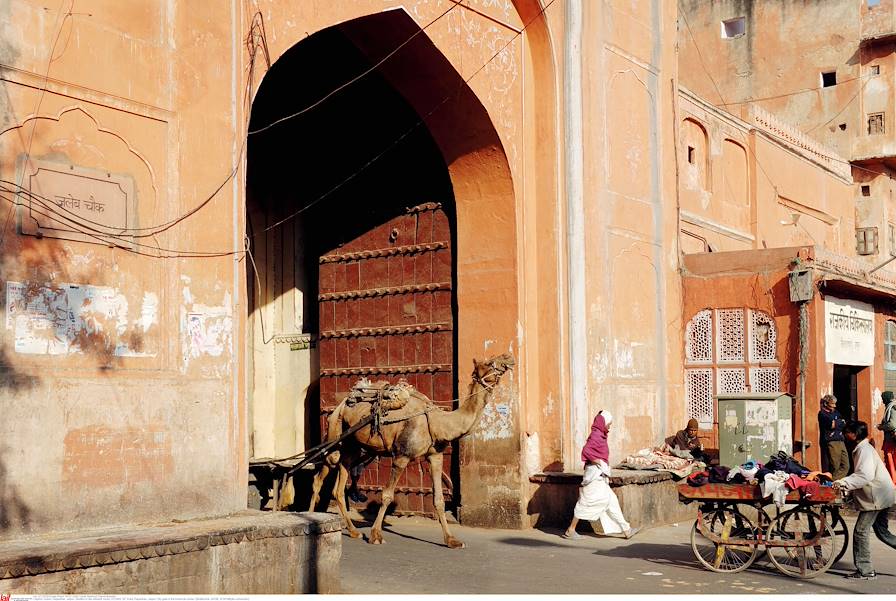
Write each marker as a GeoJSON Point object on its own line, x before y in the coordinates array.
{"type": "Point", "coordinates": [647, 498]}
{"type": "Point", "coordinates": [248, 553]}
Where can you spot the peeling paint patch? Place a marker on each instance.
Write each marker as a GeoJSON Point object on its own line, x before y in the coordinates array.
{"type": "Point", "coordinates": [99, 456]}
{"type": "Point", "coordinates": [495, 422]}
{"type": "Point", "coordinates": [65, 319]}
{"type": "Point", "coordinates": [206, 330]}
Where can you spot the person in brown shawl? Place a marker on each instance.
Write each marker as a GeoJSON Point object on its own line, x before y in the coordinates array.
{"type": "Point", "coordinates": [689, 440]}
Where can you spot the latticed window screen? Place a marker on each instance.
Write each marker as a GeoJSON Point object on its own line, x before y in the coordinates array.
{"type": "Point", "coordinates": [699, 392]}
{"type": "Point", "coordinates": [738, 348]}
{"type": "Point", "coordinates": [732, 380]}
{"type": "Point", "coordinates": [698, 339]}
{"type": "Point", "coordinates": [763, 337]}
{"type": "Point", "coordinates": [730, 335]}
{"type": "Point", "coordinates": [765, 379]}
{"type": "Point", "coordinates": [890, 356]}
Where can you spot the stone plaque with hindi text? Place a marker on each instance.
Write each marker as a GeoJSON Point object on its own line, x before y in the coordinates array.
{"type": "Point", "coordinates": [75, 203]}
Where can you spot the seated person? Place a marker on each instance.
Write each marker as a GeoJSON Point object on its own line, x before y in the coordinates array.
{"type": "Point", "coordinates": [687, 440]}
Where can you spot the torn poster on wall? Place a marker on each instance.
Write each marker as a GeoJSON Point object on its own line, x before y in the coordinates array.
{"type": "Point", "coordinates": [49, 319]}
{"type": "Point", "coordinates": [208, 332]}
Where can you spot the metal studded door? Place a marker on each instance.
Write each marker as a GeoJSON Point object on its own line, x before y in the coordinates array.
{"type": "Point", "coordinates": [386, 313]}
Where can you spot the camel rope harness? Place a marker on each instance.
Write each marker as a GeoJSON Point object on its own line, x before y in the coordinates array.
{"type": "Point", "coordinates": [383, 399]}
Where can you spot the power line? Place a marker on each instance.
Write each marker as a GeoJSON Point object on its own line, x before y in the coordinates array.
{"type": "Point", "coordinates": [796, 92]}
{"type": "Point", "coordinates": [463, 85]}
{"type": "Point", "coordinates": [124, 238]}
{"type": "Point", "coordinates": [40, 99]}
{"type": "Point", "coordinates": [354, 79]}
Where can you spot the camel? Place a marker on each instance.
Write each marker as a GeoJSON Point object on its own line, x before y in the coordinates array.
{"type": "Point", "coordinates": [412, 427]}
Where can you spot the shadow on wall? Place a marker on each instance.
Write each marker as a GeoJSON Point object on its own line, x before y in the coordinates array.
{"type": "Point", "coordinates": [14, 514]}
{"type": "Point", "coordinates": [552, 504]}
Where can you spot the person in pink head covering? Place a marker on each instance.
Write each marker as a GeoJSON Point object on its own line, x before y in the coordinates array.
{"type": "Point", "coordinates": [597, 501]}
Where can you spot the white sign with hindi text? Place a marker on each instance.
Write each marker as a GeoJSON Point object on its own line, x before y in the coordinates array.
{"type": "Point", "coordinates": [848, 332]}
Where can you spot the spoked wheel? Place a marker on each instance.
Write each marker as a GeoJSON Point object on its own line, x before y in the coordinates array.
{"type": "Point", "coordinates": [761, 520]}
{"type": "Point", "coordinates": [838, 525]}
{"type": "Point", "coordinates": [787, 542]}
{"type": "Point", "coordinates": [730, 527]}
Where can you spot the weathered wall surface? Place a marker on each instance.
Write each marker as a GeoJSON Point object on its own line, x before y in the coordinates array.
{"type": "Point", "coordinates": [120, 381]}
{"type": "Point", "coordinates": [762, 66]}
{"type": "Point", "coordinates": [631, 291]}
{"type": "Point", "coordinates": [758, 183]}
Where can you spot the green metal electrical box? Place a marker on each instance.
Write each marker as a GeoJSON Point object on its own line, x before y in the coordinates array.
{"type": "Point", "coordinates": [754, 426]}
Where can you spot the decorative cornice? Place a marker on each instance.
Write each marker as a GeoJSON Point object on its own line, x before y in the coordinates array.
{"type": "Point", "coordinates": [387, 331]}
{"type": "Point", "coordinates": [350, 294]}
{"type": "Point", "coordinates": [295, 338]}
{"type": "Point", "coordinates": [382, 371]}
{"type": "Point", "coordinates": [360, 255]}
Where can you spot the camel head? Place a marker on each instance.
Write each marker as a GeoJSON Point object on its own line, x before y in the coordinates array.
{"type": "Point", "coordinates": [489, 372]}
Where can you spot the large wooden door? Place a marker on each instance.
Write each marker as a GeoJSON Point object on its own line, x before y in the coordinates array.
{"type": "Point", "coordinates": [386, 313]}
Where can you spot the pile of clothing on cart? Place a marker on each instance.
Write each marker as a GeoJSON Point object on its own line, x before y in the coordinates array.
{"type": "Point", "coordinates": [776, 478]}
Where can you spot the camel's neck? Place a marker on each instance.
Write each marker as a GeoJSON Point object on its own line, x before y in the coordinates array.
{"type": "Point", "coordinates": [464, 418]}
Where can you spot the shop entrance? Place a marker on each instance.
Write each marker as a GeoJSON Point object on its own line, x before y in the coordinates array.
{"type": "Point", "coordinates": [846, 378]}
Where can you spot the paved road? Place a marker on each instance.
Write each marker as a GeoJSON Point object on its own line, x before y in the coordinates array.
{"type": "Point", "coordinates": [659, 560]}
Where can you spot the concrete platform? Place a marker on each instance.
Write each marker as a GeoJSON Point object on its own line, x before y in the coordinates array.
{"type": "Point", "coordinates": [647, 498]}
{"type": "Point", "coordinates": [251, 552]}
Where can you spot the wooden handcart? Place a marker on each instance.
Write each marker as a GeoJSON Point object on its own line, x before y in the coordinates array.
{"type": "Point", "coordinates": [735, 524]}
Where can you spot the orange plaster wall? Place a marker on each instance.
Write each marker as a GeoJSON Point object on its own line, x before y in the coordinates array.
{"type": "Point", "coordinates": [163, 113]}
{"type": "Point", "coordinates": [778, 183]}
{"type": "Point", "coordinates": [136, 387]}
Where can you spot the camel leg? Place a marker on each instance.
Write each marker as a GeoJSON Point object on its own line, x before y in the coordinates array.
{"type": "Point", "coordinates": [339, 495]}
{"type": "Point", "coordinates": [398, 465]}
{"type": "Point", "coordinates": [316, 485]}
{"type": "Point", "coordinates": [435, 470]}
{"type": "Point", "coordinates": [330, 461]}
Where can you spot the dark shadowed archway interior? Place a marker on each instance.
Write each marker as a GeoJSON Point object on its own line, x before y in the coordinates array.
{"type": "Point", "coordinates": [360, 282]}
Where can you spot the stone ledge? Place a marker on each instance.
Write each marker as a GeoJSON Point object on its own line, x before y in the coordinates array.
{"type": "Point", "coordinates": [618, 477]}
{"type": "Point", "coordinates": [76, 550]}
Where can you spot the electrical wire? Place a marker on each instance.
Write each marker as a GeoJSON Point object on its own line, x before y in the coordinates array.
{"type": "Point", "coordinates": [40, 100]}
{"type": "Point", "coordinates": [356, 78]}
{"type": "Point", "coordinates": [797, 92]}
{"type": "Point", "coordinates": [461, 88]}
{"type": "Point", "coordinates": [770, 134]}
{"type": "Point", "coordinates": [124, 237]}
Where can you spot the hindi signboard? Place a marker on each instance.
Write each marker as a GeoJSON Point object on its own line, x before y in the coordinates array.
{"type": "Point", "coordinates": [75, 203]}
{"type": "Point", "coordinates": [848, 332]}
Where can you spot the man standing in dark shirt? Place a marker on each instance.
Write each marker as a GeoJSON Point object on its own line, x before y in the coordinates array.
{"type": "Point", "coordinates": [833, 447]}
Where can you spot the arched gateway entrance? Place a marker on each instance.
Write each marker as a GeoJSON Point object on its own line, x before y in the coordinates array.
{"type": "Point", "coordinates": [360, 211]}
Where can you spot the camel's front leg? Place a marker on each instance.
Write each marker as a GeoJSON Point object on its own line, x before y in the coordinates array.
{"type": "Point", "coordinates": [435, 469]}
{"type": "Point", "coordinates": [339, 494]}
{"type": "Point", "coordinates": [398, 465]}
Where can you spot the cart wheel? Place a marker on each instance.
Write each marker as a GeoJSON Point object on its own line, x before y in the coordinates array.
{"type": "Point", "coordinates": [835, 520]}
{"type": "Point", "coordinates": [784, 542]}
{"type": "Point", "coordinates": [838, 525]}
{"type": "Point", "coordinates": [763, 519]}
{"type": "Point", "coordinates": [727, 556]}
